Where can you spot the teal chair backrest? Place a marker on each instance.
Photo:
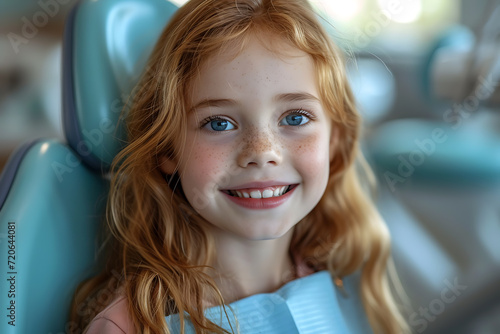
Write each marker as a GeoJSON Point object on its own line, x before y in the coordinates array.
{"type": "Point", "coordinates": [53, 193]}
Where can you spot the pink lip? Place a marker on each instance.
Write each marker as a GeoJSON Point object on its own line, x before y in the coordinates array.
{"type": "Point", "coordinates": [259, 185]}
{"type": "Point", "coordinates": [260, 203]}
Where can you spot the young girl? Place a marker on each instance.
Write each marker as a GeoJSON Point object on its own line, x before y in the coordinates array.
{"type": "Point", "coordinates": [240, 178]}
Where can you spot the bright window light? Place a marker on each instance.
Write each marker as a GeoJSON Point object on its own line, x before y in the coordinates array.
{"type": "Point", "coordinates": [402, 11]}
{"type": "Point", "coordinates": [340, 10]}
{"type": "Point", "coordinates": [178, 2]}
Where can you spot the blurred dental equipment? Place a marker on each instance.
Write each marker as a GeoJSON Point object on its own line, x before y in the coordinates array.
{"type": "Point", "coordinates": [468, 69]}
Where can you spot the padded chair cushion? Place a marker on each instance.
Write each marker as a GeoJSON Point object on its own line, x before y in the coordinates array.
{"type": "Point", "coordinates": [106, 46]}
{"type": "Point", "coordinates": [56, 205]}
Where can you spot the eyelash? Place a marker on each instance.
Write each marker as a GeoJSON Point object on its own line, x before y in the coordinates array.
{"type": "Point", "coordinates": [299, 111]}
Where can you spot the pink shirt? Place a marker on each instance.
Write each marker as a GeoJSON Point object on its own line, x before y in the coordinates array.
{"type": "Point", "coordinates": [114, 319]}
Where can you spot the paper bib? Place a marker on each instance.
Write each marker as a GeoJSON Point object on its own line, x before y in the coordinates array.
{"type": "Point", "coordinates": [308, 305]}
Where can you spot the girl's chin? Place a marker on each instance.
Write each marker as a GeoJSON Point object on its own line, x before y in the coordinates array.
{"type": "Point", "coordinates": [260, 231]}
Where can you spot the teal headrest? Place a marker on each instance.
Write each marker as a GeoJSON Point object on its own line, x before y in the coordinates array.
{"type": "Point", "coordinates": [106, 46]}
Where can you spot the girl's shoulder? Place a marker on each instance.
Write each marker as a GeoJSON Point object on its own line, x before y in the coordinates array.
{"type": "Point", "coordinates": [114, 319]}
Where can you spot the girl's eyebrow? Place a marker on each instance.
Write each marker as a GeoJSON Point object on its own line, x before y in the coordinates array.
{"type": "Point", "coordinates": [213, 103]}
{"type": "Point", "coordinates": [296, 97]}
{"type": "Point", "coordinates": [285, 97]}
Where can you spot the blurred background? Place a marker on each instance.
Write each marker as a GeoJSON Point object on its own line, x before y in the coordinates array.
{"type": "Point", "coordinates": [425, 75]}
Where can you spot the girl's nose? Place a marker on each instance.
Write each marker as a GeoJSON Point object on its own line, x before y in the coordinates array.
{"type": "Point", "coordinates": [260, 149]}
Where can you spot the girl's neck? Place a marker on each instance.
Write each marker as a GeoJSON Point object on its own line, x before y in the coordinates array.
{"type": "Point", "coordinates": [245, 268]}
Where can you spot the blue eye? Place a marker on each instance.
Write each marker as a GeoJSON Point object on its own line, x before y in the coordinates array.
{"type": "Point", "coordinates": [296, 118]}
{"type": "Point", "coordinates": [218, 124]}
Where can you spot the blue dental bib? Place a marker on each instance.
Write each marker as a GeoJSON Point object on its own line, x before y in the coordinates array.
{"type": "Point", "coordinates": [309, 305]}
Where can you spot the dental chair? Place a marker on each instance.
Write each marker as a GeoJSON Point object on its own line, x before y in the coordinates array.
{"type": "Point", "coordinates": [53, 192]}
{"type": "Point", "coordinates": [446, 173]}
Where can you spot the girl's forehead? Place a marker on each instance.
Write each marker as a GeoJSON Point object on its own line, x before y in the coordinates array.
{"type": "Point", "coordinates": [256, 44]}
{"type": "Point", "coordinates": [251, 54]}
{"type": "Point", "coordinates": [255, 69]}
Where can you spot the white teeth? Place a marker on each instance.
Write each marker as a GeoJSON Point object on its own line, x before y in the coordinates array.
{"type": "Point", "coordinates": [255, 194]}
{"type": "Point", "coordinates": [267, 193]}
{"type": "Point", "coordinates": [258, 194]}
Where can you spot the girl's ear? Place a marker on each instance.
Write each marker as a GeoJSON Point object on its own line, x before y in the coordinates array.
{"type": "Point", "coordinates": [167, 165]}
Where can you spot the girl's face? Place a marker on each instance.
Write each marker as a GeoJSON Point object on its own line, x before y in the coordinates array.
{"type": "Point", "coordinates": [256, 129]}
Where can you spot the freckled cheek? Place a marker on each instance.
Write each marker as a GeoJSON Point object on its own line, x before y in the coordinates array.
{"type": "Point", "coordinates": [203, 165]}
{"type": "Point", "coordinates": [312, 156]}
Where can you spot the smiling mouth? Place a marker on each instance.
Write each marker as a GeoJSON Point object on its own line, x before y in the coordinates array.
{"type": "Point", "coordinates": [260, 193]}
